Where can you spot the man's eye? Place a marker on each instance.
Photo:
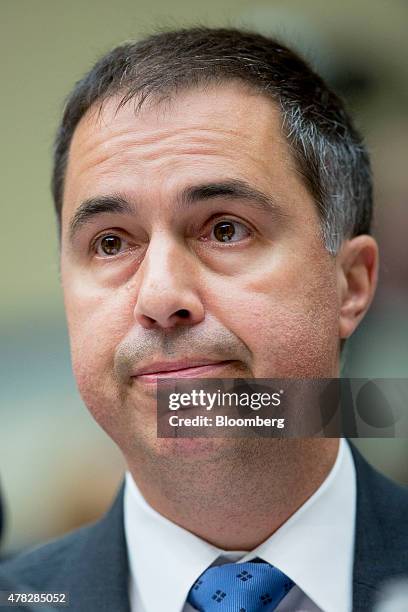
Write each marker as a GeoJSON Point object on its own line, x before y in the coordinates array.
{"type": "Point", "coordinates": [109, 245]}
{"type": "Point", "coordinates": [229, 231]}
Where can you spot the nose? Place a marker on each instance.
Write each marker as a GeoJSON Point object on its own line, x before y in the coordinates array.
{"type": "Point", "coordinates": [167, 295]}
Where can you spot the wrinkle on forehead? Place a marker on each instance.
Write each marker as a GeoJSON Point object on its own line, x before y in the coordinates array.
{"type": "Point", "coordinates": [150, 146]}
{"type": "Point", "coordinates": [213, 116]}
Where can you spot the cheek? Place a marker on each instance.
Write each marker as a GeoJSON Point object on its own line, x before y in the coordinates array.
{"type": "Point", "coordinates": [97, 323]}
{"type": "Point", "coordinates": [287, 317]}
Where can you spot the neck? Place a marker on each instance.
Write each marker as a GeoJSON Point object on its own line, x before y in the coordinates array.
{"type": "Point", "coordinates": [235, 496]}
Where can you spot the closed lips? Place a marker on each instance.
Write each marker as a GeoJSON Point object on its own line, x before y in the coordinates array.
{"type": "Point", "coordinates": [165, 367]}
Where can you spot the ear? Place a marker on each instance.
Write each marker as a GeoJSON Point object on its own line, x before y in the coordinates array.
{"type": "Point", "coordinates": [357, 269]}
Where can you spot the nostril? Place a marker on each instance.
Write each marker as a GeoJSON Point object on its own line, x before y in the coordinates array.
{"type": "Point", "coordinates": [150, 320]}
{"type": "Point", "coordinates": [183, 313]}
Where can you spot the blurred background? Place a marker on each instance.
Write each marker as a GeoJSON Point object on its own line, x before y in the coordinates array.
{"type": "Point", "coordinates": [57, 468]}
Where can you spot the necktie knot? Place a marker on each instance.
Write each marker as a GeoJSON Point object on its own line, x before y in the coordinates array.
{"type": "Point", "coordinates": [239, 587]}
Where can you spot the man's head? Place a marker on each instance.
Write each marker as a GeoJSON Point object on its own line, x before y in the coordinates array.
{"type": "Point", "coordinates": [215, 201]}
{"type": "Point", "coordinates": [328, 151]}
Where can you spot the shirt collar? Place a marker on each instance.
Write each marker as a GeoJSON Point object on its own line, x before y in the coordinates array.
{"type": "Point", "coordinates": [163, 557]}
{"type": "Point", "coordinates": [314, 547]}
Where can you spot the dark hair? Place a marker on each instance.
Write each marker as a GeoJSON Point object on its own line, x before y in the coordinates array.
{"type": "Point", "coordinates": [328, 150]}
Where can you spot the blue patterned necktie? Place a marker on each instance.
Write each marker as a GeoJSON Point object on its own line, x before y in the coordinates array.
{"type": "Point", "coordinates": [239, 587]}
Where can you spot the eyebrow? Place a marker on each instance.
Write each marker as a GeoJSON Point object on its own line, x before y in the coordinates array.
{"type": "Point", "coordinates": [229, 189]}
{"type": "Point", "coordinates": [93, 207]}
{"type": "Point", "coordinates": [235, 189]}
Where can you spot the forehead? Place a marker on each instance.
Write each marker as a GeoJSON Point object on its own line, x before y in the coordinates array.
{"type": "Point", "coordinates": [221, 132]}
{"type": "Point", "coordinates": [231, 110]}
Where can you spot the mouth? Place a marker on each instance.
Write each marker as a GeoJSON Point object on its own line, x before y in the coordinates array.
{"type": "Point", "coordinates": [182, 371]}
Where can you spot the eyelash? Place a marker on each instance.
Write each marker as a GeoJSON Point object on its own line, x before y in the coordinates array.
{"type": "Point", "coordinates": [213, 222]}
{"type": "Point", "coordinates": [95, 243]}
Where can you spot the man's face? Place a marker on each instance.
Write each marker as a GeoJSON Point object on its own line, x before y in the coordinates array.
{"type": "Point", "coordinates": [201, 245]}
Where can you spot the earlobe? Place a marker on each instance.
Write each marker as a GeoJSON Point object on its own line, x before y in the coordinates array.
{"type": "Point", "coordinates": [357, 281]}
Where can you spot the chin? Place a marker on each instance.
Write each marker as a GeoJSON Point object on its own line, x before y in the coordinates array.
{"type": "Point", "coordinates": [193, 449]}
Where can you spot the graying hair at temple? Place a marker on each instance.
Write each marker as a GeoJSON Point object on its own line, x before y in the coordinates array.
{"type": "Point", "coordinates": [327, 148]}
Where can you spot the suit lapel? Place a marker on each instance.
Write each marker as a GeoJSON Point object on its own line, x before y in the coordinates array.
{"type": "Point", "coordinates": [98, 578]}
{"type": "Point", "coordinates": [380, 551]}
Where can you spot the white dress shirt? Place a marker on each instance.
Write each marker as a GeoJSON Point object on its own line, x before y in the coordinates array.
{"type": "Point", "coordinates": [314, 547]}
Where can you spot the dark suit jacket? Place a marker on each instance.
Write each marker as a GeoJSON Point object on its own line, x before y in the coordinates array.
{"type": "Point", "coordinates": [91, 563]}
